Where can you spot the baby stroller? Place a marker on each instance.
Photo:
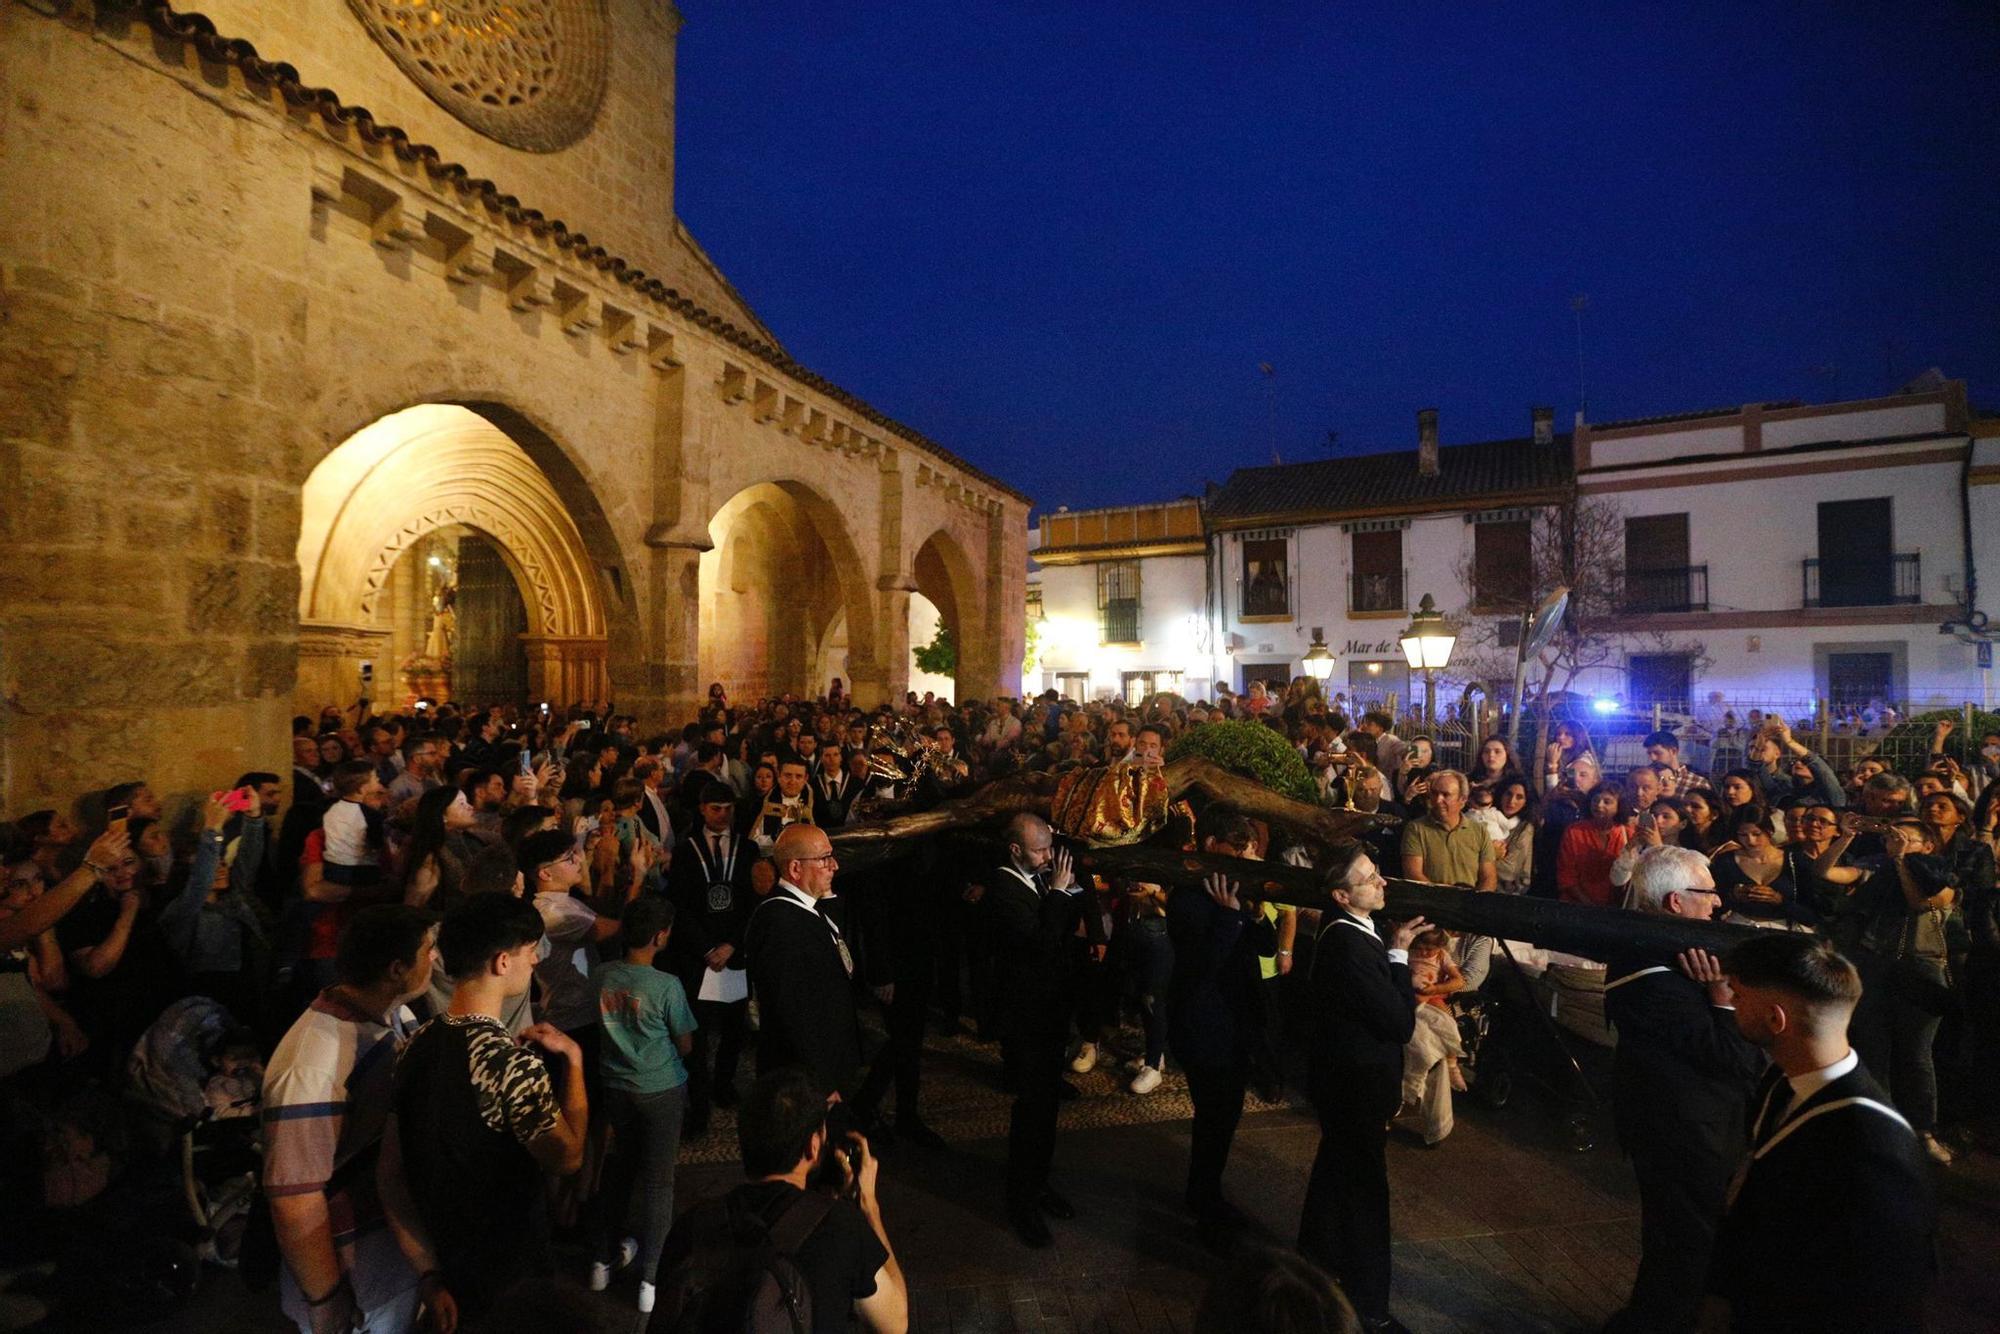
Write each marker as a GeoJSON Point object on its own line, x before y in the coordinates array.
{"type": "Point", "coordinates": [1504, 1031]}
{"type": "Point", "coordinates": [198, 1076]}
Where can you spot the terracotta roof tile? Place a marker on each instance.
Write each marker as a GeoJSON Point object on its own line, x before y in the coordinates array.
{"type": "Point", "coordinates": [1466, 474]}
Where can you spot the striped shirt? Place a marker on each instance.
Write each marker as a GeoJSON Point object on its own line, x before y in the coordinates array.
{"type": "Point", "coordinates": [326, 1099]}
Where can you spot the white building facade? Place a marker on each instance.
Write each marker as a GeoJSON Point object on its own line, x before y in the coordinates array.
{"type": "Point", "coordinates": [1827, 552]}
{"type": "Point", "coordinates": [1836, 552]}
{"type": "Point", "coordinates": [1115, 607]}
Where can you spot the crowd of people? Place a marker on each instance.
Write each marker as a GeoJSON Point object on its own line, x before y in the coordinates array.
{"type": "Point", "coordinates": [495, 966]}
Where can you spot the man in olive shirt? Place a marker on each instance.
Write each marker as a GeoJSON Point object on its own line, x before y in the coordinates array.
{"type": "Point", "coordinates": [1442, 847]}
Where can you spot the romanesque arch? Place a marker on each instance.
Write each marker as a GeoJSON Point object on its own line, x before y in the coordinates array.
{"type": "Point", "coordinates": [944, 576]}
{"type": "Point", "coordinates": [781, 573]}
{"type": "Point", "coordinates": [396, 482]}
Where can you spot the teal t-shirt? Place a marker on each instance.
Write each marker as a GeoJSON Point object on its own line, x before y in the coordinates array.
{"type": "Point", "coordinates": [643, 1010]}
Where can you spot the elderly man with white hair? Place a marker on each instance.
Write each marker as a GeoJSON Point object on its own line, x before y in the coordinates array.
{"type": "Point", "coordinates": [1683, 1073]}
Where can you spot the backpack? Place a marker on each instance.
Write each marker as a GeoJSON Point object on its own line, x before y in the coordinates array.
{"type": "Point", "coordinates": [740, 1276]}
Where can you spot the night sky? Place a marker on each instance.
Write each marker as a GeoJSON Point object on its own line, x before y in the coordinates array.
{"type": "Point", "coordinates": [1061, 238]}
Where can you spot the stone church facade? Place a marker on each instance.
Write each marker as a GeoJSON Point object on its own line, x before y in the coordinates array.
{"type": "Point", "coordinates": [289, 290]}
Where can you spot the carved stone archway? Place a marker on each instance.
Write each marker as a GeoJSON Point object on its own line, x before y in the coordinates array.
{"type": "Point", "coordinates": [782, 569]}
{"type": "Point", "coordinates": [407, 475]}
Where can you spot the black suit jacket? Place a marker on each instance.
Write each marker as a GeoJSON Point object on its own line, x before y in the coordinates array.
{"type": "Point", "coordinates": [1037, 955]}
{"type": "Point", "coordinates": [1832, 1228]}
{"type": "Point", "coordinates": [1214, 1009]}
{"type": "Point", "coordinates": [651, 818]}
{"type": "Point", "coordinates": [1682, 1072]}
{"type": "Point", "coordinates": [701, 920]}
{"type": "Point", "coordinates": [830, 810]}
{"type": "Point", "coordinates": [1365, 1006]}
{"type": "Point", "coordinates": [805, 999]}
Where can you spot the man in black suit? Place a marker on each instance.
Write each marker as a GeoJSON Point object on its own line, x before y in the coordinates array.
{"type": "Point", "coordinates": [1215, 1017]}
{"type": "Point", "coordinates": [833, 792]}
{"type": "Point", "coordinates": [899, 909]}
{"type": "Point", "coordinates": [1037, 960]}
{"type": "Point", "coordinates": [1681, 1075]}
{"type": "Point", "coordinates": [802, 968]}
{"type": "Point", "coordinates": [654, 812]}
{"type": "Point", "coordinates": [1365, 1011]}
{"type": "Point", "coordinates": [708, 883]}
{"type": "Point", "coordinates": [1831, 1223]}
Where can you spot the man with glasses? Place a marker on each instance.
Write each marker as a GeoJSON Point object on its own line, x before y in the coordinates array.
{"type": "Point", "coordinates": [802, 966]}
{"type": "Point", "coordinates": [1364, 1011]}
{"type": "Point", "coordinates": [1682, 1075]}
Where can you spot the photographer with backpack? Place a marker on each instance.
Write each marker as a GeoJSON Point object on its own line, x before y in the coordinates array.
{"type": "Point", "coordinates": [779, 1254]}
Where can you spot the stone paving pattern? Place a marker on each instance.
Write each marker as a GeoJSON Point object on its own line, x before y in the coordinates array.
{"type": "Point", "coordinates": [1504, 1228]}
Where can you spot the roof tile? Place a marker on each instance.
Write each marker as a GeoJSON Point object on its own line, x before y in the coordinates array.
{"type": "Point", "coordinates": [1466, 473]}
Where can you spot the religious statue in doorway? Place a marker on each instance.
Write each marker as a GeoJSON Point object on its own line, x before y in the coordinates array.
{"type": "Point", "coordinates": [442, 637]}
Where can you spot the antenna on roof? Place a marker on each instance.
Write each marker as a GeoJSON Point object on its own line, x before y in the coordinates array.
{"type": "Point", "coordinates": [1578, 304]}
{"type": "Point", "coordinates": [1270, 373]}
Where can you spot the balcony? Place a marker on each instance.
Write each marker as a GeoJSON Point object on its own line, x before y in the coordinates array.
{"type": "Point", "coordinates": [1369, 592]}
{"type": "Point", "coordinates": [1675, 588]}
{"type": "Point", "coordinates": [1118, 621]}
{"type": "Point", "coordinates": [1895, 582]}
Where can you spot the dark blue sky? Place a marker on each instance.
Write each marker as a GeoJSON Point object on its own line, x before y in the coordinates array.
{"type": "Point", "coordinates": [1059, 238]}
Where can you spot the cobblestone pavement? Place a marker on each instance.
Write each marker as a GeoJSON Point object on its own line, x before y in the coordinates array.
{"type": "Point", "coordinates": [1505, 1227]}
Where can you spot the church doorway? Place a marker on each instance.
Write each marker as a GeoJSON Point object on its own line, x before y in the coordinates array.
{"type": "Point", "coordinates": [437, 561]}
{"type": "Point", "coordinates": [783, 595]}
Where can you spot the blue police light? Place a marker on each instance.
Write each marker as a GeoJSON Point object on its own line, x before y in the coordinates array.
{"type": "Point", "coordinates": [1603, 705]}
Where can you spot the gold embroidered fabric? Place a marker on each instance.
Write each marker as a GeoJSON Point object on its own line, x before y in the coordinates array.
{"type": "Point", "coordinates": [1119, 804]}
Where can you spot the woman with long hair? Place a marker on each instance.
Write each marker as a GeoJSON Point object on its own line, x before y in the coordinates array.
{"type": "Point", "coordinates": [1514, 799]}
{"type": "Point", "coordinates": [1495, 764]}
{"type": "Point", "coordinates": [1751, 873]}
{"type": "Point", "coordinates": [1660, 825]}
{"type": "Point", "coordinates": [1591, 845]}
{"type": "Point", "coordinates": [1418, 765]}
{"type": "Point", "coordinates": [439, 850]}
{"type": "Point", "coordinates": [1737, 789]}
{"type": "Point", "coordinates": [1704, 820]}
{"type": "Point", "coordinates": [1570, 746]}
{"type": "Point", "coordinates": [333, 752]}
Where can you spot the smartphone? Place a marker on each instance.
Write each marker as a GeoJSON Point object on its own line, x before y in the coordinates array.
{"type": "Point", "coordinates": [236, 800]}
{"type": "Point", "coordinates": [583, 724]}
{"type": "Point", "coordinates": [1646, 821]}
{"type": "Point", "coordinates": [527, 763]}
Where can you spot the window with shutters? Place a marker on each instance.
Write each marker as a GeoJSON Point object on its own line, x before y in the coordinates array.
{"type": "Point", "coordinates": [1377, 580]}
{"type": "Point", "coordinates": [1267, 584]}
{"type": "Point", "coordinates": [1503, 563]}
{"type": "Point", "coordinates": [1118, 601]}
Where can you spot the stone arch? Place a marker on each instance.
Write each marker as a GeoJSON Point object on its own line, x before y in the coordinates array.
{"type": "Point", "coordinates": [410, 473]}
{"type": "Point", "coordinates": [564, 431]}
{"type": "Point", "coordinates": [781, 572]}
{"type": "Point", "coordinates": [945, 574]}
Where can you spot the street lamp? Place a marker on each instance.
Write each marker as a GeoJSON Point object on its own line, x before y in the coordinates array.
{"type": "Point", "coordinates": [1427, 645]}
{"type": "Point", "coordinates": [1319, 658]}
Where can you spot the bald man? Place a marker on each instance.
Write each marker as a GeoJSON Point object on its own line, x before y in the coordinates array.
{"type": "Point", "coordinates": [802, 968]}
{"type": "Point", "coordinates": [1036, 906]}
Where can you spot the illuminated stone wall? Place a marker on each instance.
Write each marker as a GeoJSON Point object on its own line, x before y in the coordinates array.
{"type": "Point", "coordinates": [207, 287]}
